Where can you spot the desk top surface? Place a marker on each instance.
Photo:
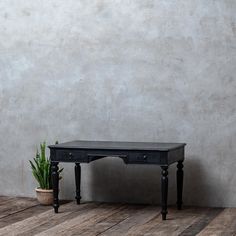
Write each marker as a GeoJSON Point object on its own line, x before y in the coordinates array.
{"type": "Point", "coordinates": [110, 145]}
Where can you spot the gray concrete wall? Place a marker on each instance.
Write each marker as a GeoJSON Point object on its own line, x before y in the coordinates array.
{"type": "Point", "coordinates": [136, 70]}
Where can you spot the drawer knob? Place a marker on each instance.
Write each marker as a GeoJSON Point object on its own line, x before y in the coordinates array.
{"type": "Point", "coordinates": [70, 155]}
{"type": "Point", "coordinates": [144, 157]}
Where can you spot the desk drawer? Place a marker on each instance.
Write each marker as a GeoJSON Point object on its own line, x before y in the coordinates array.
{"type": "Point", "coordinates": [70, 156]}
{"type": "Point", "coordinates": [141, 158]}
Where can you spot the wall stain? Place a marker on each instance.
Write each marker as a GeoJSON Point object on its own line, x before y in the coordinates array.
{"type": "Point", "coordinates": [233, 26]}
{"type": "Point", "coordinates": [6, 15]}
{"type": "Point", "coordinates": [26, 12]}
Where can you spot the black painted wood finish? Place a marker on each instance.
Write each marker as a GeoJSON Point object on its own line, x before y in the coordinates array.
{"type": "Point", "coordinates": [77, 182]}
{"type": "Point", "coordinates": [162, 154]}
{"type": "Point", "coordinates": [55, 183]}
{"type": "Point", "coordinates": [164, 191]}
{"type": "Point", "coordinates": [180, 178]}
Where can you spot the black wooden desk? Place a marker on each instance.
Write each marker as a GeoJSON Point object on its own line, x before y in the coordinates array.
{"type": "Point", "coordinates": [162, 154]}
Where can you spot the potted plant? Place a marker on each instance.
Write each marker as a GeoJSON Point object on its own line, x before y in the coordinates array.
{"type": "Point", "coordinates": [41, 170]}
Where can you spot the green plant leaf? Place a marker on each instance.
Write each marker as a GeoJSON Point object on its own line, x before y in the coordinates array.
{"type": "Point", "coordinates": [41, 168]}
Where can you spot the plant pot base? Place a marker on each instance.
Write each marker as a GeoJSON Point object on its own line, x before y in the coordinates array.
{"type": "Point", "coordinates": [44, 196]}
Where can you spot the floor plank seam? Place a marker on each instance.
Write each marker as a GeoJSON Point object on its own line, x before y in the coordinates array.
{"type": "Point", "coordinates": [121, 208]}
{"type": "Point", "coordinates": [199, 225]}
{"type": "Point", "coordinates": [123, 220]}
{"type": "Point", "coordinates": [83, 221]}
{"type": "Point", "coordinates": [16, 212]}
{"type": "Point", "coordinates": [148, 222]}
{"type": "Point", "coordinates": [26, 217]}
{"type": "Point", "coordinates": [69, 216]}
{"type": "Point", "coordinates": [100, 233]}
{"type": "Point", "coordinates": [154, 217]}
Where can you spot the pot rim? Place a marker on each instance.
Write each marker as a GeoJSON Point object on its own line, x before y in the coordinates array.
{"type": "Point", "coordinates": [43, 190]}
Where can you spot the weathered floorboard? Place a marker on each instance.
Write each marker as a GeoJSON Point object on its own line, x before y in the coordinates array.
{"type": "Point", "coordinates": [82, 222]}
{"type": "Point", "coordinates": [77, 210]}
{"type": "Point", "coordinates": [13, 205]}
{"type": "Point", "coordinates": [136, 216]}
{"type": "Point", "coordinates": [105, 224]}
{"type": "Point", "coordinates": [26, 225]}
{"type": "Point", "coordinates": [178, 223]}
{"type": "Point", "coordinates": [224, 224]}
{"type": "Point", "coordinates": [121, 220]}
{"type": "Point", "coordinates": [203, 220]}
{"type": "Point", "coordinates": [24, 216]}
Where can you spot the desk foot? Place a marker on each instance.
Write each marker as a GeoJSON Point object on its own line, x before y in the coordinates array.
{"type": "Point", "coordinates": [55, 183]}
{"type": "Point", "coordinates": [163, 216]}
{"type": "Point", "coordinates": [77, 182]}
{"type": "Point", "coordinates": [180, 177]}
{"type": "Point", "coordinates": [164, 190]}
{"type": "Point", "coordinates": [55, 209]}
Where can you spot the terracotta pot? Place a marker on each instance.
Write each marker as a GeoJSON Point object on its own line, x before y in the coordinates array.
{"type": "Point", "coordinates": [44, 196]}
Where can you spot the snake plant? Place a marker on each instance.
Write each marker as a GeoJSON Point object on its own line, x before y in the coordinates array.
{"type": "Point", "coordinates": [41, 168]}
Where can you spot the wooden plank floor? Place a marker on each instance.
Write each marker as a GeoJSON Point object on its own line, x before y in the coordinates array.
{"type": "Point", "coordinates": [25, 217]}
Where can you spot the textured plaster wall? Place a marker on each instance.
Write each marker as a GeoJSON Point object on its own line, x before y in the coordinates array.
{"type": "Point", "coordinates": [137, 70]}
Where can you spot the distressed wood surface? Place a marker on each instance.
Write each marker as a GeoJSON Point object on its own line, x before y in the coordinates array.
{"type": "Point", "coordinates": [82, 222]}
{"type": "Point", "coordinates": [224, 224]}
{"type": "Point", "coordinates": [135, 216]}
{"type": "Point", "coordinates": [13, 205]}
{"type": "Point", "coordinates": [18, 216]}
{"type": "Point", "coordinates": [48, 218]}
{"type": "Point", "coordinates": [24, 216]}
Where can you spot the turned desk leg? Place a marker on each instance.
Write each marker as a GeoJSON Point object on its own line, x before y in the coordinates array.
{"type": "Point", "coordinates": [164, 190]}
{"type": "Point", "coordinates": [77, 182]}
{"type": "Point", "coordinates": [180, 177]}
{"type": "Point", "coordinates": [55, 183]}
